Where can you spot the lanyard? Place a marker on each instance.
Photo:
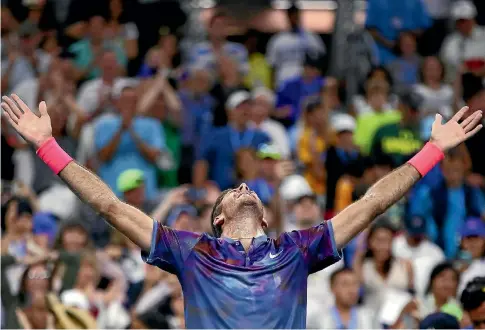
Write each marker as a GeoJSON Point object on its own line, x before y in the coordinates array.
{"type": "Point", "coordinates": [238, 141]}
{"type": "Point", "coordinates": [353, 323]}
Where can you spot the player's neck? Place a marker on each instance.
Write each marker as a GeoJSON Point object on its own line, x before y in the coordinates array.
{"type": "Point", "coordinates": [244, 228]}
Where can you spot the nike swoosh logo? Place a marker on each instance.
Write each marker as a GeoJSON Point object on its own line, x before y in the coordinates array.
{"type": "Point", "coordinates": [272, 256]}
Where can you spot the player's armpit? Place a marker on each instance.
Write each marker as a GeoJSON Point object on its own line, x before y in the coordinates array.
{"type": "Point", "coordinates": [130, 221]}
{"type": "Point", "coordinates": [382, 195]}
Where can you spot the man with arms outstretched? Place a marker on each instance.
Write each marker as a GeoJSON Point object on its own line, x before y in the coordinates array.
{"type": "Point", "coordinates": [240, 278]}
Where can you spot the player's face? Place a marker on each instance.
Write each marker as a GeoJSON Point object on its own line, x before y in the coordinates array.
{"type": "Point", "coordinates": [242, 200]}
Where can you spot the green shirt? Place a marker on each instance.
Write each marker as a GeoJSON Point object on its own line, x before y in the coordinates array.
{"type": "Point", "coordinates": [168, 179]}
{"type": "Point", "coordinates": [369, 123]}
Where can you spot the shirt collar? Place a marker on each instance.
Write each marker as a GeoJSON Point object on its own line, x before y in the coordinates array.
{"type": "Point", "coordinates": [256, 241]}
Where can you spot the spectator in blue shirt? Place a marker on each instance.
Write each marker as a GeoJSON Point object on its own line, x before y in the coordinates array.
{"type": "Point", "coordinates": [446, 206]}
{"type": "Point", "coordinates": [386, 19]}
{"type": "Point", "coordinates": [127, 141]}
{"type": "Point", "coordinates": [217, 150]}
{"type": "Point", "coordinates": [294, 93]}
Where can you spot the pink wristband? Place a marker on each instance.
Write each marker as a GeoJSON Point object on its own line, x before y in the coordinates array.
{"type": "Point", "coordinates": [427, 158]}
{"type": "Point", "coordinates": [53, 155]}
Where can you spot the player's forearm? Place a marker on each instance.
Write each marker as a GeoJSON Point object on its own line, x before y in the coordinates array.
{"type": "Point", "coordinates": [382, 195]}
{"type": "Point", "coordinates": [93, 191]}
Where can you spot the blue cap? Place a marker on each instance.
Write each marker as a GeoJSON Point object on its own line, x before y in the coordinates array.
{"type": "Point", "coordinates": [45, 223]}
{"type": "Point", "coordinates": [415, 225]}
{"type": "Point", "coordinates": [473, 227]}
{"type": "Point", "coordinates": [439, 321]}
{"type": "Point", "coordinates": [176, 211]}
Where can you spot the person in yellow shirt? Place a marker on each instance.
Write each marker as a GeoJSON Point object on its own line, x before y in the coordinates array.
{"type": "Point", "coordinates": [259, 74]}
{"type": "Point", "coordinates": [314, 141]}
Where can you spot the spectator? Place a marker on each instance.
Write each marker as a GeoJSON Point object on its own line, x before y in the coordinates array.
{"type": "Point", "coordinates": [122, 30]}
{"type": "Point", "coordinates": [414, 244]}
{"type": "Point", "coordinates": [439, 320]}
{"type": "Point", "coordinates": [295, 92]}
{"type": "Point", "coordinates": [132, 184]}
{"type": "Point", "coordinates": [205, 55]}
{"type": "Point", "coordinates": [442, 287]}
{"type": "Point", "coordinates": [259, 74]}
{"type": "Point", "coordinates": [446, 206]}
{"type": "Point", "coordinates": [89, 51]}
{"type": "Point", "coordinates": [314, 141]}
{"type": "Point", "coordinates": [432, 38]}
{"type": "Point", "coordinates": [386, 20]}
{"type": "Point", "coordinates": [369, 122]}
{"type": "Point", "coordinates": [127, 141]}
{"type": "Point", "coordinates": [216, 157]}
{"type": "Point", "coordinates": [339, 157]}
{"type": "Point", "coordinates": [438, 97]}
{"type": "Point", "coordinates": [24, 60]}
{"type": "Point", "coordinates": [405, 68]}
{"type": "Point", "coordinates": [465, 47]}
{"type": "Point", "coordinates": [17, 214]}
{"type": "Point", "coordinates": [163, 56]}
{"type": "Point", "coordinates": [378, 270]}
{"type": "Point", "coordinates": [263, 105]}
{"type": "Point", "coordinates": [473, 301]}
{"type": "Point", "coordinates": [286, 50]}
{"type": "Point", "coordinates": [345, 314]}
{"type": "Point", "coordinates": [400, 140]}
{"type": "Point", "coordinates": [473, 244]}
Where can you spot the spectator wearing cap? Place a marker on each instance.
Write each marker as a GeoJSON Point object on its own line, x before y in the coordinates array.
{"type": "Point", "coordinates": [414, 244]}
{"type": "Point", "coordinates": [447, 204]}
{"type": "Point", "coordinates": [206, 55]}
{"type": "Point", "coordinates": [339, 156]}
{"type": "Point", "coordinates": [313, 144]}
{"type": "Point", "coordinates": [439, 320]}
{"type": "Point", "coordinates": [474, 96]}
{"type": "Point", "coordinates": [127, 141]}
{"type": "Point", "coordinates": [259, 74]}
{"type": "Point", "coordinates": [400, 140]}
{"type": "Point", "coordinates": [263, 106]}
{"type": "Point", "coordinates": [405, 68]}
{"type": "Point", "coordinates": [473, 244]}
{"type": "Point", "coordinates": [88, 50]}
{"type": "Point", "coordinates": [286, 50]}
{"type": "Point", "coordinates": [25, 61]}
{"type": "Point", "coordinates": [387, 19]}
{"type": "Point", "coordinates": [44, 229]}
{"type": "Point", "coordinates": [295, 92]}
{"type": "Point", "coordinates": [132, 184]}
{"type": "Point", "coordinates": [473, 301]}
{"type": "Point", "coordinates": [464, 49]}
{"type": "Point", "coordinates": [217, 151]}
{"type": "Point", "coordinates": [374, 113]}
{"type": "Point", "coordinates": [183, 217]}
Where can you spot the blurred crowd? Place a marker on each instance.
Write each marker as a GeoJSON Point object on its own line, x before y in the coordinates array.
{"type": "Point", "coordinates": [169, 127]}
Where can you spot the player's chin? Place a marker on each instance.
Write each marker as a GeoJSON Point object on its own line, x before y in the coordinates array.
{"type": "Point", "coordinates": [247, 200]}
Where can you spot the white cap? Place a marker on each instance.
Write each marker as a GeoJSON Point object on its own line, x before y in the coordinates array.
{"type": "Point", "coordinates": [236, 98]}
{"type": "Point", "coordinates": [266, 93]}
{"type": "Point", "coordinates": [463, 9]}
{"type": "Point", "coordinates": [343, 122]}
{"type": "Point", "coordinates": [295, 186]}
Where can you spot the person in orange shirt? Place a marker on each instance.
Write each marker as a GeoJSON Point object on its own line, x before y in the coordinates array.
{"type": "Point", "coordinates": [314, 141]}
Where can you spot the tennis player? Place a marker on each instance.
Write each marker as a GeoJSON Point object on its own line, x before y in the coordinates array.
{"type": "Point", "coordinates": [239, 278]}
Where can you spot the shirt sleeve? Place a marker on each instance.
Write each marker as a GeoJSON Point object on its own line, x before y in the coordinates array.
{"type": "Point", "coordinates": [169, 248]}
{"type": "Point", "coordinates": [317, 245]}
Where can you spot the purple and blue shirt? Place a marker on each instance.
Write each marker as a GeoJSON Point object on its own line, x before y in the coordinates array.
{"type": "Point", "coordinates": [226, 287]}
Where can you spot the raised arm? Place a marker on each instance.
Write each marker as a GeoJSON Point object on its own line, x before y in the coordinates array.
{"type": "Point", "coordinates": [390, 189]}
{"type": "Point", "coordinates": [130, 221]}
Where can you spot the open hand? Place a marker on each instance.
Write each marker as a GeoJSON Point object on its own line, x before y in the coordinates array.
{"type": "Point", "coordinates": [453, 133]}
{"type": "Point", "coordinates": [36, 130]}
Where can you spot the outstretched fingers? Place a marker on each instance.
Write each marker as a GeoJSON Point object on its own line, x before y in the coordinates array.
{"type": "Point", "coordinates": [12, 106]}
{"type": "Point", "coordinates": [473, 120]}
{"type": "Point", "coordinates": [7, 115]}
{"type": "Point", "coordinates": [473, 132]}
{"type": "Point", "coordinates": [22, 105]}
{"type": "Point", "coordinates": [460, 114]}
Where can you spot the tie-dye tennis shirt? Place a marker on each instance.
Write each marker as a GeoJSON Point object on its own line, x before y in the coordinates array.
{"type": "Point", "coordinates": [226, 287]}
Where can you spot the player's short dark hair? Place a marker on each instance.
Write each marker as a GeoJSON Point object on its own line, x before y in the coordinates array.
{"type": "Point", "coordinates": [337, 273]}
{"type": "Point", "coordinates": [216, 211]}
{"type": "Point", "coordinates": [474, 294]}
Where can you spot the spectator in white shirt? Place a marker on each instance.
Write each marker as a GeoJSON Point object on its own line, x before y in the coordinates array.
{"type": "Point", "coordinates": [464, 49]}
{"type": "Point", "coordinates": [414, 244]}
{"type": "Point", "coordinates": [344, 314]}
{"type": "Point", "coordinates": [286, 50]}
{"type": "Point", "coordinates": [263, 104]}
{"type": "Point", "coordinates": [473, 243]}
